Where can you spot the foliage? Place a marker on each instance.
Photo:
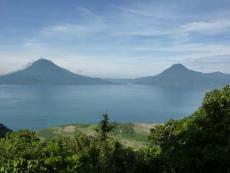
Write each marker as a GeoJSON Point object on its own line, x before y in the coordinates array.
{"type": "Point", "coordinates": [129, 134]}
{"type": "Point", "coordinates": [104, 128]}
{"type": "Point", "coordinates": [199, 143]}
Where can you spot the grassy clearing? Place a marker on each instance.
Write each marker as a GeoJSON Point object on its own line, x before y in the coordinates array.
{"type": "Point", "coordinates": [130, 134]}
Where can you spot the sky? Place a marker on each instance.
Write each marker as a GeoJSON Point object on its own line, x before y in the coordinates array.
{"type": "Point", "coordinates": [116, 38]}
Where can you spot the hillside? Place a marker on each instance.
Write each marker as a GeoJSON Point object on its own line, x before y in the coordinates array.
{"type": "Point", "coordinates": [44, 71]}
{"type": "Point", "coordinates": [130, 134]}
{"type": "Point", "coordinates": [179, 76]}
{"type": "Point", "coordinates": [3, 130]}
{"type": "Point", "coordinates": [197, 143]}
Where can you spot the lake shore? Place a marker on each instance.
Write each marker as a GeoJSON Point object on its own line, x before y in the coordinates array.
{"type": "Point", "coordinates": [133, 135]}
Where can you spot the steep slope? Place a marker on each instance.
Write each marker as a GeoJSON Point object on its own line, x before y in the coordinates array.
{"type": "Point", "coordinates": [180, 76]}
{"type": "Point", "coordinates": [3, 130]}
{"type": "Point", "coordinates": [46, 72]}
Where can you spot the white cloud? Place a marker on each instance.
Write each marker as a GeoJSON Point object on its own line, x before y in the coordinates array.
{"type": "Point", "coordinates": [215, 26]}
{"type": "Point", "coordinates": [88, 23]}
{"type": "Point", "coordinates": [189, 48]}
{"type": "Point", "coordinates": [69, 29]}
{"type": "Point", "coordinates": [85, 12]}
{"type": "Point", "coordinates": [210, 63]}
{"type": "Point", "coordinates": [151, 9]}
{"type": "Point", "coordinates": [159, 34]}
{"type": "Point", "coordinates": [32, 44]}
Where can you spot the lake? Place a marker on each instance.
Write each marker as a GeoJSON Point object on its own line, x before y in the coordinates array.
{"type": "Point", "coordinates": [36, 107]}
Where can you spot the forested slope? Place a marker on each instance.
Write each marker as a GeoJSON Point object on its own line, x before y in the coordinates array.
{"type": "Point", "coordinates": [199, 143]}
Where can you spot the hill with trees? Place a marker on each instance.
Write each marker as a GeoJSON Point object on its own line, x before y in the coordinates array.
{"type": "Point", "coordinates": [129, 134]}
{"type": "Point", "coordinates": [198, 143]}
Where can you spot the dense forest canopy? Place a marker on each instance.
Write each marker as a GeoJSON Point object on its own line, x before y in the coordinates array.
{"type": "Point", "coordinates": [199, 143]}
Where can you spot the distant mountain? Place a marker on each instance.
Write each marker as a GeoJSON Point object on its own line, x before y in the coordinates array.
{"type": "Point", "coordinates": [180, 76]}
{"type": "Point", "coordinates": [46, 72]}
{"type": "Point", "coordinates": [3, 130]}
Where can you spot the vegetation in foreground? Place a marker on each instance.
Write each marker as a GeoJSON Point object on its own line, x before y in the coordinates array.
{"type": "Point", "coordinates": [199, 143]}
{"type": "Point", "coordinates": [133, 135]}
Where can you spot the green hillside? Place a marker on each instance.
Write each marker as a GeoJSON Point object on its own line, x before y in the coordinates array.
{"type": "Point", "coordinates": [194, 144]}
{"type": "Point", "coordinates": [130, 134]}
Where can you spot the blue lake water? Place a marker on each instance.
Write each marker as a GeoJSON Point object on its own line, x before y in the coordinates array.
{"type": "Point", "coordinates": [36, 107]}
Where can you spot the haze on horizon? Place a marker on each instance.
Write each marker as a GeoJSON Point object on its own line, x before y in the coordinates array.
{"type": "Point", "coordinates": [116, 39]}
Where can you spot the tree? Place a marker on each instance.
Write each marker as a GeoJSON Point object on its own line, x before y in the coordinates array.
{"type": "Point", "coordinates": [104, 127]}
{"type": "Point", "coordinates": [201, 142]}
{"type": "Point", "coordinates": [195, 144]}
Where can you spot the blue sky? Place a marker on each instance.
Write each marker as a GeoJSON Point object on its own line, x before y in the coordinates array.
{"type": "Point", "coordinates": [116, 38]}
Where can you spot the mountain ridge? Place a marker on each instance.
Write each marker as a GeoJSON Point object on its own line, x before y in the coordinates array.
{"type": "Point", "coordinates": [44, 71]}
{"type": "Point", "coordinates": [180, 76]}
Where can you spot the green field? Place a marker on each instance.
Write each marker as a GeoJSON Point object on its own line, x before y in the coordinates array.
{"type": "Point", "coordinates": [130, 134]}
